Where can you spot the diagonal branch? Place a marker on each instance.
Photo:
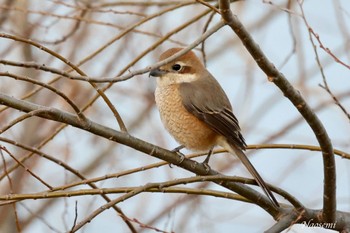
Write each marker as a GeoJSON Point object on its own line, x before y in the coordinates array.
{"type": "Point", "coordinates": [70, 169]}
{"type": "Point", "coordinates": [128, 140]}
{"type": "Point", "coordinates": [329, 195]}
{"type": "Point", "coordinates": [76, 68]}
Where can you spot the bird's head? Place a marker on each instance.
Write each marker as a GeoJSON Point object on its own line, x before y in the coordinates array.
{"type": "Point", "coordinates": [186, 68]}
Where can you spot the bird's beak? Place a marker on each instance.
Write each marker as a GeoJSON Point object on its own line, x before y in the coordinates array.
{"type": "Point", "coordinates": [157, 72]}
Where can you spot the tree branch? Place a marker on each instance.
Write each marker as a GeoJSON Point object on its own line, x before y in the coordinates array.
{"type": "Point", "coordinates": [329, 195]}
{"type": "Point", "coordinates": [70, 169]}
{"type": "Point", "coordinates": [128, 140]}
{"type": "Point", "coordinates": [76, 68]}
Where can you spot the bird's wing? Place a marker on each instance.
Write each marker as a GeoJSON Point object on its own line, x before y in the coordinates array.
{"type": "Point", "coordinates": [205, 99]}
{"type": "Point", "coordinates": [213, 107]}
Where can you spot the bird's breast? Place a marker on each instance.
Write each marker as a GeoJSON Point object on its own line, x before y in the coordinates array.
{"type": "Point", "coordinates": [187, 129]}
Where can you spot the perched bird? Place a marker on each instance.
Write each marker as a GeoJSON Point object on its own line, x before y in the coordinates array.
{"type": "Point", "coordinates": [196, 111]}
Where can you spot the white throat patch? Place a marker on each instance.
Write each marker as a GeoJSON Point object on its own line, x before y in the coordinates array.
{"type": "Point", "coordinates": [175, 78]}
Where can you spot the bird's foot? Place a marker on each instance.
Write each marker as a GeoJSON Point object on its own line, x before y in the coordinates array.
{"type": "Point", "coordinates": [206, 166]}
{"type": "Point", "coordinates": [177, 149]}
{"type": "Point", "coordinates": [206, 161]}
{"type": "Point", "coordinates": [181, 155]}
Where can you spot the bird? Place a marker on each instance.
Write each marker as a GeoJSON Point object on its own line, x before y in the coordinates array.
{"type": "Point", "coordinates": [196, 111]}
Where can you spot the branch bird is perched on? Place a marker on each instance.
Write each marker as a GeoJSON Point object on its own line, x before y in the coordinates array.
{"type": "Point", "coordinates": [196, 111]}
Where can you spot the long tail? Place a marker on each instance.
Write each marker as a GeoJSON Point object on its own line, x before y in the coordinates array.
{"type": "Point", "coordinates": [244, 159]}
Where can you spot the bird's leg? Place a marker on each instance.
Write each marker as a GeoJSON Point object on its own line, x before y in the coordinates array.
{"type": "Point", "coordinates": [206, 160]}
{"type": "Point", "coordinates": [177, 151]}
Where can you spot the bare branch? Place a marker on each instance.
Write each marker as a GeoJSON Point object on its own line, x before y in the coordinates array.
{"type": "Point", "coordinates": [66, 61]}
{"type": "Point", "coordinates": [70, 169]}
{"type": "Point", "coordinates": [329, 204]}
{"type": "Point", "coordinates": [128, 140]}
{"type": "Point", "coordinates": [26, 168]}
{"type": "Point", "coordinates": [54, 90]}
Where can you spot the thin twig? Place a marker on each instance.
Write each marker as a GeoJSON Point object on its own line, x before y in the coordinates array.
{"type": "Point", "coordinates": [341, 153]}
{"type": "Point", "coordinates": [166, 187]}
{"type": "Point", "coordinates": [70, 169]}
{"type": "Point", "coordinates": [75, 215]}
{"type": "Point", "coordinates": [25, 167]}
{"type": "Point", "coordinates": [11, 189]}
{"type": "Point", "coordinates": [54, 90]}
{"type": "Point", "coordinates": [79, 71]}
{"type": "Point", "coordinates": [136, 191]}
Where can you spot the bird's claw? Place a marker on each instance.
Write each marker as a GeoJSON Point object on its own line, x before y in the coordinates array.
{"type": "Point", "coordinates": [177, 149]}
{"type": "Point", "coordinates": [181, 156]}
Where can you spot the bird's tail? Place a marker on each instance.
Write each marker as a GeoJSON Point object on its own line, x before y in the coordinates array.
{"type": "Point", "coordinates": [244, 159]}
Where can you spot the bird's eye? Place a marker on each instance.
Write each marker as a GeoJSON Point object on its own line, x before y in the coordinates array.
{"type": "Point", "coordinates": [176, 67]}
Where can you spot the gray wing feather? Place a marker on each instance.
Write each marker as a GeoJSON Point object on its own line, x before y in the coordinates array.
{"type": "Point", "coordinates": [205, 99]}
